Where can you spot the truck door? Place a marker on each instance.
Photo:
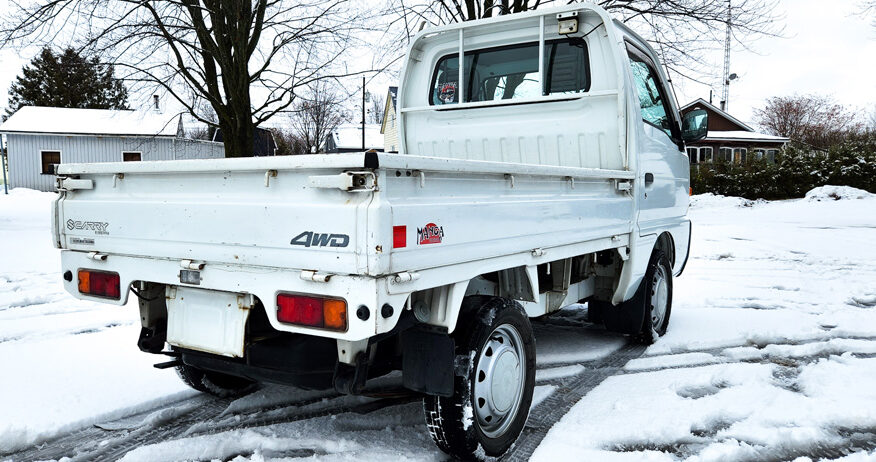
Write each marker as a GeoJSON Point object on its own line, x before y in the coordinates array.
{"type": "Point", "coordinates": [663, 168]}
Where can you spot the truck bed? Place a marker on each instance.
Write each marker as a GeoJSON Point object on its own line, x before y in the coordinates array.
{"type": "Point", "coordinates": [269, 212]}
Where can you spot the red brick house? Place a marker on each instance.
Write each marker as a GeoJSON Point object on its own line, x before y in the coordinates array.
{"type": "Point", "coordinates": [729, 139]}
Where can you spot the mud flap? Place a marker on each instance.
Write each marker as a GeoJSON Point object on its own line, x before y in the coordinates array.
{"type": "Point", "coordinates": [350, 380]}
{"type": "Point", "coordinates": [628, 317]}
{"type": "Point", "coordinates": [428, 361]}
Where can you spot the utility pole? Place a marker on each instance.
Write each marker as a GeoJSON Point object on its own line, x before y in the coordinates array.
{"type": "Point", "coordinates": [3, 152]}
{"type": "Point", "coordinates": [725, 96]}
{"type": "Point", "coordinates": [363, 113]}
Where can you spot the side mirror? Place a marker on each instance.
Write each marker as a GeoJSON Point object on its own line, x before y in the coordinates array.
{"type": "Point", "coordinates": [695, 125]}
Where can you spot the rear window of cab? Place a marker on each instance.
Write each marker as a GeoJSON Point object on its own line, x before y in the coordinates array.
{"type": "Point", "coordinates": [511, 72]}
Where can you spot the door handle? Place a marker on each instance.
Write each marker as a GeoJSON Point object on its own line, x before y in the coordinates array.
{"type": "Point", "coordinates": [649, 179]}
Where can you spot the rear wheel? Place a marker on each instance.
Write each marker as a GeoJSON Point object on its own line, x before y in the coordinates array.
{"type": "Point", "coordinates": [491, 399]}
{"type": "Point", "coordinates": [214, 383]}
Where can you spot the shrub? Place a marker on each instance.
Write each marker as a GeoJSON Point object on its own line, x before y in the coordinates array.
{"type": "Point", "coordinates": [796, 171]}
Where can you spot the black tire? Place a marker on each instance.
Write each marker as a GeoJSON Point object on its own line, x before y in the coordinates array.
{"type": "Point", "coordinates": [595, 308]}
{"type": "Point", "coordinates": [656, 323]}
{"type": "Point", "coordinates": [456, 425]}
{"type": "Point", "coordinates": [640, 316]}
{"type": "Point", "coordinates": [214, 383]}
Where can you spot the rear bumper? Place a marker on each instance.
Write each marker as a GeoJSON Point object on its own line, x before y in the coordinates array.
{"type": "Point", "coordinates": [301, 361]}
{"type": "Point", "coordinates": [262, 282]}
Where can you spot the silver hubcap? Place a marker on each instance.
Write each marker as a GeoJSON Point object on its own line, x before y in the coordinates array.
{"type": "Point", "coordinates": [659, 296]}
{"type": "Point", "coordinates": [498, 385]}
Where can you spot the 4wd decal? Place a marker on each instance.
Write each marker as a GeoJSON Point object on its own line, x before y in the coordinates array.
{"type": "Point", "coordinates": [430, 234]}
{"type": "Point", "coordinates": [98, 227]}
{"type": "Point", "coordinates": [311, 239]}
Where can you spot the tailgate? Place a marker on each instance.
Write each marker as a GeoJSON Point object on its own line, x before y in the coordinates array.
{"type": "Point", "coordinates": [255, 211]}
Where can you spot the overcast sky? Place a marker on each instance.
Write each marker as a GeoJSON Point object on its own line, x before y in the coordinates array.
{"type": "Point", "coordinates": [828, 48]}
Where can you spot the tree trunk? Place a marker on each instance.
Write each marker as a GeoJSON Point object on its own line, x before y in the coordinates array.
{"type": "Point", "coordinates": [239, 137]}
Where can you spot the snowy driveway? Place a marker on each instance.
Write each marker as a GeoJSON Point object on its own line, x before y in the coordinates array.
{"type": "Point", "coordinates": [770, 355]}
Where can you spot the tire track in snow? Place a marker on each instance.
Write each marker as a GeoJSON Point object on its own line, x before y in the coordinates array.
{"type": "Point", "coordinates": [555, 406]}
{"type": "Point", "coordinates": [204, 415]}
{"type": "Point", "coordinates": [194, 417]}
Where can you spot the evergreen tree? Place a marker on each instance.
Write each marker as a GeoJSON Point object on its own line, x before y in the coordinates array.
{"type": "Point", "coordinates": [69, 80]}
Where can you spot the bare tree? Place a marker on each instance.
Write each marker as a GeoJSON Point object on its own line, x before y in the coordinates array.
{"type": "Point", "coordinates": [683, 31]}
{"type": "Point", "coordinates": [245, 59]}
{"type": "Point", "coordinates": [376, 108]}
{"type": "Point", "coordinates": [868, 9]}
{"type": "Point", "coordinates": [317, 114]}
{"type": "Point", "coordinates": [871, 120]}
{"type": "Point", "coordinates": [288, 143]}
{"type": "Point", "coordinates": [816, 120]}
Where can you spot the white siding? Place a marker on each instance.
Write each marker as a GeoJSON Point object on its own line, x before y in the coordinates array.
{"type": "Point", "coordinates": [390, 130]}
{"type": "Point", "coordinates": [24, 153]}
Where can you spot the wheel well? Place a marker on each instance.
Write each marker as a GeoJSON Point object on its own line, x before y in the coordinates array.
{"type": "Point", "coordinates": [667, 245]}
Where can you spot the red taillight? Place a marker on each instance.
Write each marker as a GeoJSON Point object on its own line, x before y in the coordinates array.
{"type": "Point", "coordinates": [100, 284]}
{"type": "Point", "coordinates": [324, 313]}
{"type": "Point", "coordinates": [399, 237]}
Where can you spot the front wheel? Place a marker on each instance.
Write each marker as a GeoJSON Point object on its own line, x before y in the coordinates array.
{"type": "Point", "coordinates": [490, 402]}
{"type": "Point", "coordinates": [646, 315]}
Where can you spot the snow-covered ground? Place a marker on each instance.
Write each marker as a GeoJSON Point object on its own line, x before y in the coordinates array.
{"type": "Point", "coordinates": [770, 355]}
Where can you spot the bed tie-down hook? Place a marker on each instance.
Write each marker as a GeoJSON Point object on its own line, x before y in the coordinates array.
{"type": "Point", "coordinates": [268, 175]}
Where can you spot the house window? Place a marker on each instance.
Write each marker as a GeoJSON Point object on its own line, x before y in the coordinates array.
{"type": "Point", "coordinates": [693, 155]}
{"type": "Point", "coordinates": [725, 154]}
{"type": "Point", "coordinates": [771, 155]}
{"type": "Point", "coordinates": [131, 156]}
{"type": "Point", "coordinates": [707, 155]}
{"type": "Point", "coordinates": [49, 159]}
{"type": "Point", "coordinates": [739, 155]}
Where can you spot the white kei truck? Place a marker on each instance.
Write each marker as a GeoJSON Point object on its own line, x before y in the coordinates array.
{"type": "Point", "coordinates": [541, 164]}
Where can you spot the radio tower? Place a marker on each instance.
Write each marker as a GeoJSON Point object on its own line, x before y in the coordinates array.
{"type": "Point", "coordinates": [725, 95]}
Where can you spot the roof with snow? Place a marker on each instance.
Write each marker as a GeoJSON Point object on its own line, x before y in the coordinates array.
{"type": "Point", "coordinates": [349, 137]}
{"type": "Point", "coordinates": [744, 136]}
{"type": "Point", "coordinates": [69, 121]}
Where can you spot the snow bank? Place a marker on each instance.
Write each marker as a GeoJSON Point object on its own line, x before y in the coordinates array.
{"type": "Point", "coordinates": [836, 193]}
{"type": "Point", "coordinates": [709, 200]}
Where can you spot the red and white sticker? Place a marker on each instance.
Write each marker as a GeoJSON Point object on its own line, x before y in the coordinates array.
{"type": "Point", "coordinates": [430, 234]}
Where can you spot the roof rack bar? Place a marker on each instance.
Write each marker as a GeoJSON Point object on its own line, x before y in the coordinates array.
{"type": "Point", "coordinates": [541, 78]}
{"type": "Point", "coordinates": [460, 87]}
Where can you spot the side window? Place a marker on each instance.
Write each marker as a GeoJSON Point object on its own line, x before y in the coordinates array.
{"type": "Point", "coordinates": [652, 99]}
{"type": "Point", "coordinates": [511, 72]}
{"type": "Point", "coordinates": [131, 156]}
{"type": "Point", "coordinates": [706, 155]}
{"type": "Point", "coordinates": [48, 160]}
{"type": "Point", "coordinates": [725, 154]}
